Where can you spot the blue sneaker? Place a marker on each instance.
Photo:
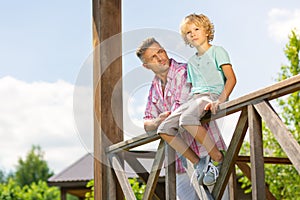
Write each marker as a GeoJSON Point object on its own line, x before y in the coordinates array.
{"type": "Point", "coordinates": [201, 169]}
{"type": "Point", "coordinates": [212, 174]}
{"type": "Point", "coordinates": [213, 171]}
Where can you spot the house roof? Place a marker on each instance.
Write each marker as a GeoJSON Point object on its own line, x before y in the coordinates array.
{"type": "Point", "coordinates": [80, 171]}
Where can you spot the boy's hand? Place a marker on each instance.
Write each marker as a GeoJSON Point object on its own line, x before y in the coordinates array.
{"type": "Point", "coordinates": [212, 106]}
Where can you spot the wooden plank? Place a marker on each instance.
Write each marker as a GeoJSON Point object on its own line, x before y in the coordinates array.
{"type": "Point", "coordinates": [121, 175]}
{"type": "Point", "coordinates": [98, 194]}
{"type": "Point", "coordinates": [281, 133]}
{"type": "Point", "coordinates": [170, 174]}
{"type": "Point", "coordinates": [232, 186]}
{"type": "Point", "coordinates": [247, 172]}
{"type": "Point", "coordinates": [132, 143]}
{"type": "Point", "coordinates": [231, 155]}
{"type": "Point", "coordinates": [156, 167]}
{"type": "Point", "coordinates": [256, 155]}
{"type": "Point", "coordinates": [268, 93]}
{"type": "Point", "coordinates": [267, 160]}
{"type": "Point", "coordinates": [202, 194]}
{"type": "Point", "coordinates": [106, 76]}
{"type": "Point", "coordinates": [142, 172]}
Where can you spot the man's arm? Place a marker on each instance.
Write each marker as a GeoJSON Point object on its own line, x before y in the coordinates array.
{"type": "Point", "coordinates": [183, 88]}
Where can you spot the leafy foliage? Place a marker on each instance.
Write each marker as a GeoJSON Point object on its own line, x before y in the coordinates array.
{"type": "Point", "coordinates": [283, 180]}
{"type": "Point", "coordinates": [138, 189]}
{"type": "Point", "coordinates": [33, 169]}
{"type": "Point", "coordinates": [35, 191]}
{"type": "Point", "coordinates": [90, 195]}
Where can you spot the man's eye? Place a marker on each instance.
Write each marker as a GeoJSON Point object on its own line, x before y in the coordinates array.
{"type": "Point", "coordinates": [161, 51]}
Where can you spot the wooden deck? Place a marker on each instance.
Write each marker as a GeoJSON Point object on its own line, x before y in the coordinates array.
{"type": "Point", "coordinates": [109, 158]}
{"type": "Point", "coordinates": [254, 108]}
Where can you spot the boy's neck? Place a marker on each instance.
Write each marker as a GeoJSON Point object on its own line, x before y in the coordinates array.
{"type": "Point", "coordinates": [203, 48]}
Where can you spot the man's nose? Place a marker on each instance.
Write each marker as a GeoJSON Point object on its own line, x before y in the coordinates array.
{"type": "Point", "coordinates": [159, 57]}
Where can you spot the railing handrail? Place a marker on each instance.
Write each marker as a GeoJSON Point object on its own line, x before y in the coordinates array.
{"type": "Point", "coordinates": [268, 93]}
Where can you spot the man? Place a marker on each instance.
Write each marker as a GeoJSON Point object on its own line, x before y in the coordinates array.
{"type": "Point", "coordinates": [168, 91]}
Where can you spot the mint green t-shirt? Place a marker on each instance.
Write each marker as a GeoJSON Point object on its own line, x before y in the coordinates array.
{"type": "Point", "coordinates": [205, 73]}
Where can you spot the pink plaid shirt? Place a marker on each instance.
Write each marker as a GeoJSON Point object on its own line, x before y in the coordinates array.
{"type": "Point", "coordinates": [176, 93]}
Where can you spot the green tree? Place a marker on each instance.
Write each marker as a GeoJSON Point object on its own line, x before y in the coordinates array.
{"type": "Point", "coordinates": [33, 169]}
{"type": "Point", "coordinates": [137, 187]}
{"type": "Point", "coordinates": [290, 105]}
{"type": "Point", "coordinates": [2, 176]}
{"type": "Point", "coordinates": [35, 191]}
{"type": "Point", "coordinates": [90, 195]}
{"type": "Point", "coordinates": [283, 180]}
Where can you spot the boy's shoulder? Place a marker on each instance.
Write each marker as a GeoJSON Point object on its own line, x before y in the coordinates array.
{"type": "Point", "coordinates": [217, 48]}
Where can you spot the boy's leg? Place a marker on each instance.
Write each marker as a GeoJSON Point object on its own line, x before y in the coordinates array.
{"type": "Point", "coordinates": [177, 143]}
{"type": "Point", "coordinates": [200, 134]}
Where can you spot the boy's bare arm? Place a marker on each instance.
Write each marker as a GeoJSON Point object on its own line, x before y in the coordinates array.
{"type": "Point", "coordinates": [229, 85]}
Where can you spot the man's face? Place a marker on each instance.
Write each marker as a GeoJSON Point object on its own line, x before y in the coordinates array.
{"type": "Point", "coordinates": [156, 59]}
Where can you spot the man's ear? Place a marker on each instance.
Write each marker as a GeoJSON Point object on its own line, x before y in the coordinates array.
{"type": "Point", "coordinates": [145, 65]}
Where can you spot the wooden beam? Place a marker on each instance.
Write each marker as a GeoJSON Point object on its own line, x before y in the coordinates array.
{"type": "Point", "coordinates": [107, 75]}
{"type": "Point", "coordinates": [256, 155]}
{"type": "Point", "coordinates": [231, 155]}
{"type": "Point", "coordinates": [121, 175]}
{"type": "Point", "coordinates": [232, 186]}
{"type": "Point", "coordinates": [141, 171]}
{"type": "Point", "coordinates": [170, 170]}
{"type": "Point", "coordinates": [154, 174]}
{"type": "Point", "coordinates": [132, 143]}
{"type": "Point", "coordinates": [267, 160]}
{"type": "Point", "coordinates": [268, 93]}
{"type": "Point", "coordinates": [203, 193]}
{"type": "Point", "coordinates": [281, 133]}
{"type": "Point", "coordinates": [247, 172]}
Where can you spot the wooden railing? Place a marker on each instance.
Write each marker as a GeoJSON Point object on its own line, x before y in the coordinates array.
{"type": "Point", "coordinates": [253, 107]}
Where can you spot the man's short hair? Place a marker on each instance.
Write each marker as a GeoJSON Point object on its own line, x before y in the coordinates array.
{"type": "Point", "coordinates": [144, 46]}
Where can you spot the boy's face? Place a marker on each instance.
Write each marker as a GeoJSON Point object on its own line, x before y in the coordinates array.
{"type": "Point", "coordinates": [196, 35]}
{"type": "Point", "coordinates": [156, 59]}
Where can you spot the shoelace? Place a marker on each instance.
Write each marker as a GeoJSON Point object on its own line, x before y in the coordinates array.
{"type": "Point", "coordinates": [195, 173]}
{"type": "Point", "coordinates": [213, 169]}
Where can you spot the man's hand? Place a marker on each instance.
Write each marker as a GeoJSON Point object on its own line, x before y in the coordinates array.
{"type": "Point", "coordinates": [212, 106]}
{"type": "Point", "coordinates": [152, 124]}
{"type": "Point", "coordinates": [163, 116]}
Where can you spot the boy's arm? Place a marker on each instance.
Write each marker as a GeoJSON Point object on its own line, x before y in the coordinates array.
{"type": "Point", "coordinates": [228, 87]}
{"type": "Point", "coordinates": [229, 84]}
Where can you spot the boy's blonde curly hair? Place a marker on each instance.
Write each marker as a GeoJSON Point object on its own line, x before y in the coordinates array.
{"type": "Point", "coordinates": [199, 20]}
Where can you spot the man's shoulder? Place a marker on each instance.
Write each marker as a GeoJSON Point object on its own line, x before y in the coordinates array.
{"type": "Point", "coordinates": [178, 66]}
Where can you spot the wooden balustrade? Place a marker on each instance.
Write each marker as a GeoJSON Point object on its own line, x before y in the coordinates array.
{"type": "Point", "coordinates": [253, 107]}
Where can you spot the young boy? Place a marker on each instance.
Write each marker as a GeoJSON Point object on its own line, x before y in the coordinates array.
{"type": "Point", "coordinates": [212, 78]}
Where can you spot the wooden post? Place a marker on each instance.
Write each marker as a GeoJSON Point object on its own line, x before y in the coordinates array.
{"type": "Point", "coordinates": [256, 155]}
{"type": "Point", "coordinates": [107, 77]}
{"type": "Point", "coordinates": [170, 175]}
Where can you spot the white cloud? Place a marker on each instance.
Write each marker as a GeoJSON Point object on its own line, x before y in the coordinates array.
{"type": "Point", "coordinates": [37, 113]}
{"type": "Point", "coordinates": [281, 22]}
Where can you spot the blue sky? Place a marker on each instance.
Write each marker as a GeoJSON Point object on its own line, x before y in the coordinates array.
{"type": "Point", "coordinates": [44, 45]}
